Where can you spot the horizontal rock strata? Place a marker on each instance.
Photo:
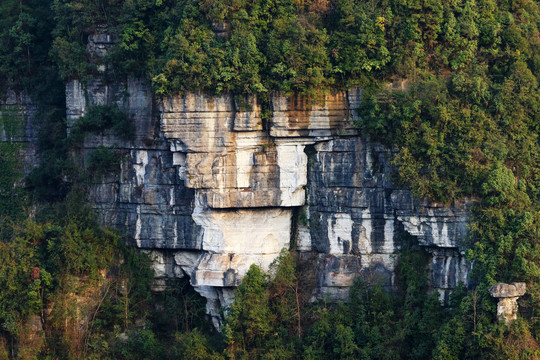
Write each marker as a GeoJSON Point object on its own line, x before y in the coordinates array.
{"type": "Point", "coordinates": [214, 188]}
{"type": "Point", "coordinates": [212, 184]}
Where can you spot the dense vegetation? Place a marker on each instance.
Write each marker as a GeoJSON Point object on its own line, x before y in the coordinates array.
{"type": "Point", "coordinates": [465, 123]}
{"type": "Point", "coordinates": [73, 290]}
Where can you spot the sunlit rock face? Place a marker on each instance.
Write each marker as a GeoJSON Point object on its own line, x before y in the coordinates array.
{"type": "Point", "coordinates": [212, 184]}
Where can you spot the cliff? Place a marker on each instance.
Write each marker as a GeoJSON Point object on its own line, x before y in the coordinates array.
{"type": "Point", "coordinates": [212, 184]}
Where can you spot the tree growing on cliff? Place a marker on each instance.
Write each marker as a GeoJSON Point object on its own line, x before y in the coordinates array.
{"type": "Point", "coordinates": [248, 321]}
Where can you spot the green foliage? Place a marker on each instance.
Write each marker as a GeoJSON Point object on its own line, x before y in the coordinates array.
{"type": "Point", "coordinates": [71, 59]}
{"type": "Point", "coordinates": [463, 124]}
{"type": "Point", "coordinates": [11, 122]}
{"type": "Point", "coordinates": [91, 293]}
{"type": "Point", "coordinates": [359, 45]}
{"type": "Point", "coordinates": [377, 324]}
{"type": "Point", "coordinates": [447, 140]}
{"type": "Point", "coordinates": [25, 41]}
{"type": "Point", "coordinates": [248, 320]}
{"type": "Point", "coordinates": [62, 166]}
{"type": "Point", "coordinates": [184, 310]}
{"type": "Point", "coordinates": [258, 46]}
{"type": "Point", "coordinates": [194, 345]}
{"type": "Point", "coordinates": [374, 324]}
{"type": "Point", "coordinates": [103, 160]}
{"type": "Point", "coordinates": [505, 230]}
{"type": "Point", "coordinates": [140, 344]}
{"type": "Point", "coordinates": [41, 262]}
{"type": "Point", "coordinates": [473, 100]}
{"type": "Point", "coordinates": [100, 118]}
{"type": "Point", "coordinates": [265, 321]}
{"type": "Point", "coordinates": [47, 181]}
{"type": "Point", "coordinates": [12, 196]}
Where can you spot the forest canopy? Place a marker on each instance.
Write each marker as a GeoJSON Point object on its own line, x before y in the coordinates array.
{"type": "Point", "coordinates": [264, 45]}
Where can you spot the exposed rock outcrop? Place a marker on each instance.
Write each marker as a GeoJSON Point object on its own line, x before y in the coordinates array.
{"type": "Point", "coordinates": [212, 184]}
{"type": "Point", "coordinates": [217, 189]}
{"type": "Point", "coordinates": [18, 125]}
{"type": "Point", "coordinates": [508, 294]}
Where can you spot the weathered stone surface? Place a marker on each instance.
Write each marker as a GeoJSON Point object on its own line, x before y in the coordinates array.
{"type": "Point", "coordinates": [99, 44]}
{"type": "Point", "coordinates": [435, 224]}
{"type": "Point", "coordinates": [508, 294]}
{"type": "Point", "coordinates": [233, 240]}
{"type": "Point", "coordinates": [248, 114]}
{"type": "Point", "coordinates": [336, 274]}
{"type": "Point", "coordinates": [507, 309]}
{"type": "Point", "coordinates": [246, 231]}
{"type": "Point", "coordinates": [145, 198]}
{"type": "Point", "coordinates": [228, 158]}
{"type": "Point", "coordinates": [502, 290]}
{"type": "Point", "coordinates": [18, 125]}
{"type": "Point", "coordinates": [448, 267]}
{"type": "Point", "coordinates": [296, 116]}
{"type": "Point", "coordinates": [213, 181]}
{"type": "Point", "coordinates": [210, 188]}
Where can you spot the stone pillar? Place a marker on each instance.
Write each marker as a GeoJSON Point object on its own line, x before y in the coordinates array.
{"type": "Point", "coordinates": [508, 294]}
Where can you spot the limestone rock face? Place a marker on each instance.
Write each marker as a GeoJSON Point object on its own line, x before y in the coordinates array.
{"type": "Point", "coordinates": [508, 294]}
{"type": "Point", "coordinates": [501, 290]}
{"type": "Point", "coordinates": [507, 309]}
{"type": "Point", "coordinates": [18, 125]}
{"type": "Point", "coordinates": [296, 116]}
{"type": "Point", "coordinates": [146, 197]}
{"type": "Point", "coordinates": [212, 184]}
{"type": "Point", "coordinates": [210, 188]}
{"type": "Point", "coordinates": [224, 153]}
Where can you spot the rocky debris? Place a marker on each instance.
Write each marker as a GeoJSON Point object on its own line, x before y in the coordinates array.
{"type": "Point", "coordinates": [508, 294]}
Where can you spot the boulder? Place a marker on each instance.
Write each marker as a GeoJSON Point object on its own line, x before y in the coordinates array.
{"type": "Point", "coordinates": [502, 290]}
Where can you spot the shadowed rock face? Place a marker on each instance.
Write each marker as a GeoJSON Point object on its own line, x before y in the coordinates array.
{"type": "Point", "coordinates": [209, 188]}
{"type": "Point", "coordinates": [18, 125]}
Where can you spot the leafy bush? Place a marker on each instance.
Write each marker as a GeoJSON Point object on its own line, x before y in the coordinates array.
{"type": "Point", "coordinates": [100, 118]}
{"type": "Point", "coordinates": [12, 196]}
{"type": "Point", "coordinates": [103, 160]}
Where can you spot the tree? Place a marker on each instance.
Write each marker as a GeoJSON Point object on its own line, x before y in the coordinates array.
{"type": "Point", "coordinates": [248, 321]}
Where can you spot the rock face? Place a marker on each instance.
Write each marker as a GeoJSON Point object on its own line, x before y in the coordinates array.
{"type": "Point", "coordinates": [210, 188]}
{"type": "Point", "coordinates": [508, 294]}
{"type": "Point", "coordinates": [18, 125]}
{"type": "Point", "coordinates": [212, 184]}
{"type": "Point", "coordinates": [501, 290]}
